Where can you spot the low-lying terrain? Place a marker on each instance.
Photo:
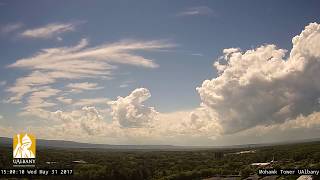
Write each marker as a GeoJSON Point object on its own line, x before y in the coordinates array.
{"type": "Point", "coordinates": [95, 163]}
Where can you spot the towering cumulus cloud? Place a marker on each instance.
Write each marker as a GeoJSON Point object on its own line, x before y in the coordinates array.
{"type": "Point", "coordinates": [258, 95]}
{"type": "Point", "coordinates": [130, 112]}
{"type": "Point", "coordinates": [85, 121]}
{"type": "Point", "coordinates": [263, 86]}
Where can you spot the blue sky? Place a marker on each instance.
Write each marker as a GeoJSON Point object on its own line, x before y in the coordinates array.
{"type": "Point", "coordinates": [196, 31]}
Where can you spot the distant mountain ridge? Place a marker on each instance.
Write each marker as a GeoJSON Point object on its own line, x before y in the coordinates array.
{"type": "Point", "coordinates": [72, 144]}
{"type": "Point", "coordinates": [78, 145]}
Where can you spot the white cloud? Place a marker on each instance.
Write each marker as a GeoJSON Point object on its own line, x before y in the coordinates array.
{"type": "Point", "coordinates": [3, 83]}
{"type": "Point", "coordinates": [196, 11]}
{"type": "Point", "coordinates": [126, 84]}
{"type": "Point", "coordinates": [86, 124]}
{"type": "Point", "coordinates": [59, 39]}
{"type": "Point", "coordinates": [38, 101]}
{"type": "Point", "coordinates": [79, 87]}
{"type": "Point", "coordinates": [123, 85]}
{"type": "Point", "coordinates": [130, 112]}
{"type": "Point", "coordinates": [262, 87]}
{"type": "Point", "coordinates": [6, 131]}
{"type": "Point", "coordinates": [48, 30]}
{"type": "Point", "coordinates": [257, 94]}
{"type": "Point", "coordinates": [197, 54]}
{"type": "Point", "coordinates": [50, 66]}
{"type": "Point", "coordinates": [300, 122]}
{"type": "Point", "coordinates": [11, 27]}
{"type": "Point", "coordinates": [134, 122]}
{"type": "Point", "coordinates": [191, 127]}
{"type": "Point", "coordinates": [99, 57]}
{"type": "Point", "coordinates": [91, 102]}
{"type": "Point", "coordinates": [27, 84]}
{"type": "Point", "coordinates": [86, 121]}
{"type": "Point", "coordinates": [302, 127]}
{"type": "Point", "coordinates": [183, 126]}
{"type": "Point", "coordinates": [64, 100]}
{"type": "Point", "coordinates": [90, 125]}
{"type": "Point", "coordinates": [1, 117]}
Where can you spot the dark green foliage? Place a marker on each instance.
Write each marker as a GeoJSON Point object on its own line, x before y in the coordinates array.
{"type": "Point", "coordinates": [246, 172]}
{"type": "Point", "coordinates": [170, 165]}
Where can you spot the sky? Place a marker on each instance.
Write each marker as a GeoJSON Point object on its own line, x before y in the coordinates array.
{"type": "Point", "coordinates": [160, 72]}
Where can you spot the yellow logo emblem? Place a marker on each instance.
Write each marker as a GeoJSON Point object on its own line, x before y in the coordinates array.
{"type": "Point", "coordinates": [24, 146]}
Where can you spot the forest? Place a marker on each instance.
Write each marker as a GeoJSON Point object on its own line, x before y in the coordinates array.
{"type": "Point", "coordinates": [173, 164]}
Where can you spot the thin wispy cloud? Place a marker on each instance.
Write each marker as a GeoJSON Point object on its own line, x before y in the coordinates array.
{"type": "Point", "coordinates": [69, 64]}
{"type": "Point", "coordinates": [114, 92]}
{"type": "Point", "coordinates": [49, 30]}
{"type": "Point", "coordinates": [11, 27]}
{"type": "Point", "coordinates": [79, 87]}
{"type": "Point", "coordinates": [123, 85]}
{"type": "Point", "coordinates": [197, 54]}
{"type": "Point", "coordinates": [39, 100]}
{"type": "Point", "coordinates": [3, 83]}
{"type": "Point", "coordinates": [196, 11]}
{"type": "Point", "coordinates": [64, 100]}
{"type": "Point", "coordinates": [59, 38]}
{"type": "Point", "coordinates": [126, 84]}
{"type": "Point", "coordinates": [90, 102]}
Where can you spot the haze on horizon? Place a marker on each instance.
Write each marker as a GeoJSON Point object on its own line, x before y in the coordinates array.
{"type": "Point", "coordinates": [160, 72]}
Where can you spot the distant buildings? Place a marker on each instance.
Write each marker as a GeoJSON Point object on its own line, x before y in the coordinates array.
{"type": "Point", "coordinates": [246, 152]}
{"type": "Point", "coordinates": [79, 162]}
{"type": "Point", "coordinates": [243, 152]}
{"type": "Point", "coordinates": [218, 155]}
{"type": "Point", "coordinates": [75, 162]}
{"type": "Point", "coordinates": [261, 164]}
{"type": "Point", "coordinates": [305, 177]}
{"type": "Point", "coordinates": [51, 162]}
{"type": "Point", "coordinates": [224, 177]}
{"type": "Point", "coordinates": [264, 164]}
{"type": "Point", "coordinates": [252, 177]}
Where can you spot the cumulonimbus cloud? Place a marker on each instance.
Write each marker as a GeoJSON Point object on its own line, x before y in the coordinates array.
{"type": "Point", "coordinates": [260, 90]}
{"type": "Point", "coordinates": [262, 86]}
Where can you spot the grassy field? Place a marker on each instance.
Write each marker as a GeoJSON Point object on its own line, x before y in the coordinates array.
{"type": "Point", "coordinates": [180, 164]}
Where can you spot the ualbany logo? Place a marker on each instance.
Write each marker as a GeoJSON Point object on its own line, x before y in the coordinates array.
{"type": "Point", "coordinates": [24, 146]}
